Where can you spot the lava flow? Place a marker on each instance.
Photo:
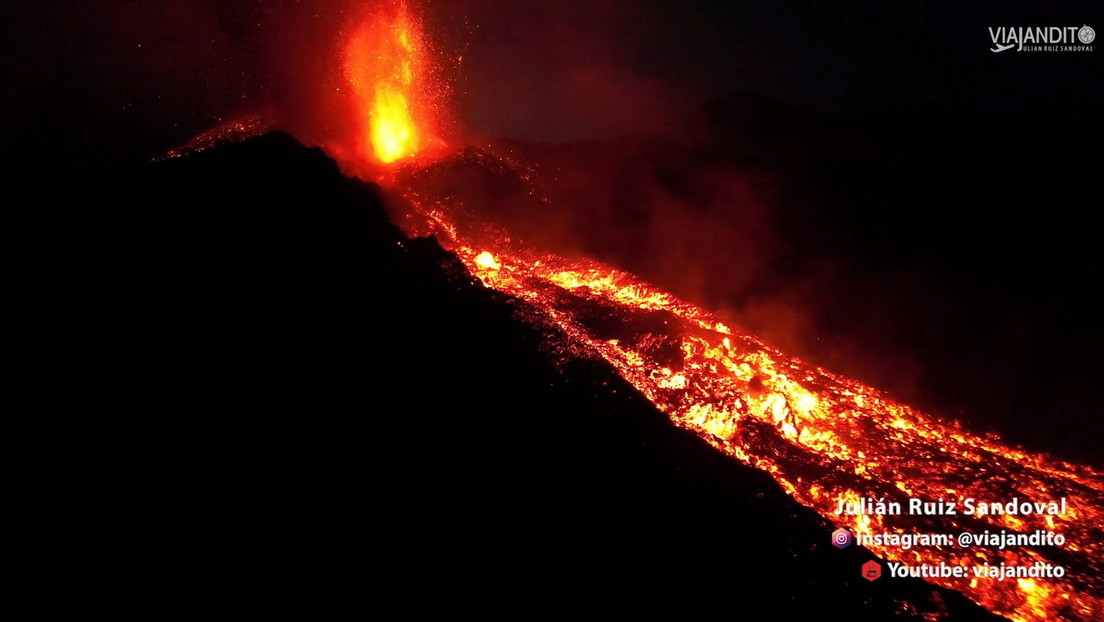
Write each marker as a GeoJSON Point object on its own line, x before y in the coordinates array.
{"type": "Point", "coordinates": [823, 438]}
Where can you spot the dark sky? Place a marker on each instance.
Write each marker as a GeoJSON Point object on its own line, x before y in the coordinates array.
{"type": "Point", "coordinates": [650, 58]}
{"type": "Point", "coordinates": [120, 78]}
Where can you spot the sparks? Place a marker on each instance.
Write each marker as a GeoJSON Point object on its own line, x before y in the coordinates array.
{"type": "Point", "coordinates": [824, 438]}
{"type": "Point", "coordinates": [386, 66]}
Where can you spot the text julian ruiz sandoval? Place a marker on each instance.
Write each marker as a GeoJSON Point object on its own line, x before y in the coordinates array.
{"type": "Point", "coordinates": [941, 507]}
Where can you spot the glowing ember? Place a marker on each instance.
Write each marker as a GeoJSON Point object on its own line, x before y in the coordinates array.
{"type": "Point", "coordinates": [486, 260]}
{"type": "Point", "coordinates": [385, 67]}
{"type": "Point", "coordinates": [231, 131]}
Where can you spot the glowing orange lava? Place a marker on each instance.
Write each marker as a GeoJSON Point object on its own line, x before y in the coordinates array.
{"type": "Point", "coordinates": [822, 437]}
{"type": "Point", "coordinates": [386, 63]}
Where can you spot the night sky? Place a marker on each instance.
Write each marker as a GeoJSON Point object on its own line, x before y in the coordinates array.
{"type": "Point", "coordinates": [129, 78]}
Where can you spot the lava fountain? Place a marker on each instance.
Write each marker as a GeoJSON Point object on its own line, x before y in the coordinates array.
{"type": "Point", "coordinates": [386, 68]}
{"type": "Point", "coordinates": [824, 438]}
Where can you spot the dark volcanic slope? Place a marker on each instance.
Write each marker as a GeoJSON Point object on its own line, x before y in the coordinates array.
{"type": "Point", "coordinates": [239, 390]}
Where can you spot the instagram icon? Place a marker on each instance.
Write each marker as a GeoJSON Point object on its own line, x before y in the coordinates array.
{"type": "Point", "coordinates": [842, 538]}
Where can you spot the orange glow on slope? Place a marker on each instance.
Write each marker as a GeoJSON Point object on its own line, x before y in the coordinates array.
{"type": "Point", "coordinates": [822, 437]}
{"type": "Point", "coordinates": [386, 64]}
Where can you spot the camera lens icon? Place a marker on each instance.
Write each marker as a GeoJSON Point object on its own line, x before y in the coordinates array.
{"type": "Point", "coordinates": [842, 538]}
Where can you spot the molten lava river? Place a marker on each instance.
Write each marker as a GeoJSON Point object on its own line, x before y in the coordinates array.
{"type": "Point", "coordinates": [824, 438]}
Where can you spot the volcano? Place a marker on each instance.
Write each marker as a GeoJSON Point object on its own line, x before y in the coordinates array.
{"type": "Point", "coordinates": [383, 360]}
{"type": "Point", "coordinates": [266, 398]}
